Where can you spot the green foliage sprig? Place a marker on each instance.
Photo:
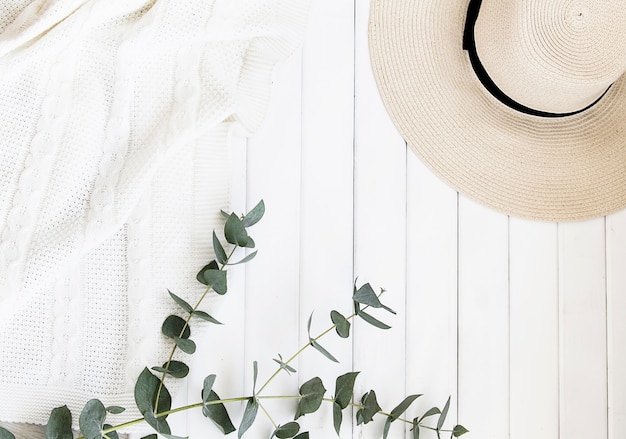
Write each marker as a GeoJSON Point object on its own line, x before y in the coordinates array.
{"type": "Point", "coordinates": [154, 400]}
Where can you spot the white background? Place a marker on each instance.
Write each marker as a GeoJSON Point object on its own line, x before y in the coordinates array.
{"type": "Point", "coordinates": [520, 322]}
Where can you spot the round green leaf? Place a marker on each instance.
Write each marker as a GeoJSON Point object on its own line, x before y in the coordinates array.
{"type": "Point", "coordinates": [235, 232]}
{"type": "Point", "coordinates": [6, 434]}
{"type": "Point", "coordinates": [312, 393]}
{"type": "Point", "coordinates": [177, 369]}
{"type": "Point", "coordinates": [344, 387]}
{"type": "Point", "coordinates": [459, 430]}
{"type": "Point", "coordinates": [210, 266]}
{"type": "Point", "coordinates": [60, 424]}
{"type": "Point", "coordinates": [370, 408]}
{"type": "Point", "coordinates": [342, 325]}
{"type": "Point", "coordinates": [186, 345]}
{"type": "Point", "coordinates": [91, 419]}
{"type": "Point", "coordinates": [216, 279]}
{"type": "Point", "coordinates": [288, 430]}
{"type": "Point", "coordinates": [146, 389]}
{"type": "Point", "coordinates": [175, 327]}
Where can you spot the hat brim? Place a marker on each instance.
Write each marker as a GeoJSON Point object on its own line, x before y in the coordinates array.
{"type": "Point", "coordinates": [552, 169]}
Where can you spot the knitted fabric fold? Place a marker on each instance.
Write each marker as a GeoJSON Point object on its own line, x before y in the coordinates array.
{"type": "Point", "coordinates": [114, 125]}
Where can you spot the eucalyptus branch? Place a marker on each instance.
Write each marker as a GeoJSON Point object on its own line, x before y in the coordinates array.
{"type": "Point", "coordinates": [167, 365]}
{"type": "Point", "coordinates": [311, 343]}
{"type": "Point", "coordinates": [154, 401]}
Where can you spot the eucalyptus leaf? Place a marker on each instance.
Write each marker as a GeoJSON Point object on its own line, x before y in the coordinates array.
{"type": "Point", "coordinates": [284, 366]}
{"type": "Point", "coordinates": [255, 374]}
{"type": "Point", "coordinates": [92, 418]}
{"type": "Point", "coordinates": [386, 427]}
{"type": "Point", "coordinates": [6, 434]}
{"type": "Point", "coordinates": [150, 436]}
{"type": "Point", "coordinates": [386, 308]}
{"type": "Point", "coordinates": [366, 296]}
{"type": "Point", "coordinates": [220, 253]}
{"type": "Point", "coordinates": [342, 325]}
{"type": "Point", "coordinates": [308, 325]}
{"type": "Point", "coordinates": [249, 415]}
{"type": "Point", "coordinates": [177, 369]}
{"type": "Point", "coordinates": [207, 387]}
{"type": "Point", "coordinates": [370, 406]}
{"type": "Point", "coordinates": [431, 412]}
{"type": "Point", "coordinates": [323, 351]}
{"type": "Point", "coordinates": [403, 406]}
{"type": "Point", "coordinates": [186, 345]}
{"type": "Point", "coordinates": [459, 430]}
{"type": "Point", "coordinates": [175, 327]}
{"type": "Point", "coordinates": [159, 424]}
{"type": "Point", "coordinates": [250, 243]}
{"type": "Point", "coordinates": [115, 409]}
{"type": "Point", "coordinates": [372, 320]}
{"type": "Point", "coordinates": [59, 424]}
{"type": "Point", "coordinates": [210, 266]}
{"type": "Point", "coordinates": [289, 430]}
{"type": "Point", "coordinates": [235, 232]}
{"type": "Point", "coordinates": [312, 393]}
{"type": "Point", "coordinates": [146, 389]}
{"type": "Point", "coordinates": [397, 411]}
{"type": "Point", "coordinates": [111, 434]}
{"type": "Point", "coordinates": [359, 417]}
{"type": "Point", "coordinates": [304, 435]}
{"type": "Point", "coordinates": [216, 279]}
{"type": "Point", "coordinates": [216, 412]}
{"type": "Point", "coordinates": [337, 417]}
{"type": "Point", "coordinates": [206, 317]}
{"type": "Point", "coordinates": [255, 214]}
{"type": "Point", "coordinates": [248, 258]}
{"type": "Point", "coordinates": [344, 387]}
{"type": "Point", "coordinates": [416, 430]}
{"type": "Point", "coordinates": [444, 413]}
{"type": "Point", "coordinates": [181, 302]}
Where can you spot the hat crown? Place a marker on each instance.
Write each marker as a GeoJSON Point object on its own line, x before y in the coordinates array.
{"type": "Point", "coordinates": [555, 56]}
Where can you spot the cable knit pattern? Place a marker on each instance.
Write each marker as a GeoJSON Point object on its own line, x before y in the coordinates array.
{"type": "Point", "coordinates": [114, 124]}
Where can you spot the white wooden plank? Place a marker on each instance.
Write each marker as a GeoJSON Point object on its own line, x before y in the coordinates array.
{"type": "Point", "coordinates": [483, 321]}
{"type": "Point", "coordinates": [326, 237]}
{"type": "Point", "coordinates": [583, 377]}
{"type": "Point", "coordinates": [616, 324]}
{"type": "Point", "coordinates": [534, 330]}
{"type": "Point", "coordinates": [380, 238]}
{"type": "Point", "coordinates": [220, 339]}
{"type": "Point", "coordinates": [431, 289]}
{"type": "Point", "coordinates": [271, 299]}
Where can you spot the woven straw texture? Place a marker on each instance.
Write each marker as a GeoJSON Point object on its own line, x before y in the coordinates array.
{"type": "Point", "coordinates": [560, 169]}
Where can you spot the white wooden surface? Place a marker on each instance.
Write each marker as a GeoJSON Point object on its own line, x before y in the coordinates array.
{"type": "Point", "coordinates": [521, 322]}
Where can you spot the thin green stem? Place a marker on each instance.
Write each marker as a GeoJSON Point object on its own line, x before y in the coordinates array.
{"type": "Point", "coordinates": [294, 356]}
{"type": "Point", "coordinates": [176, 410]}
{"type": "Point", "coordinates": [280, 397]}
{"type": "Point", "coordinates": [268, 415]}
{"type": "Point", "coordinates": [240, 399]}
{"type": "Point", "coordinates": [182, 331]}
{"type": "Point", "coordinates": [382, 413]}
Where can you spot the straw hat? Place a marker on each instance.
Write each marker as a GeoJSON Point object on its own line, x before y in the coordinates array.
{"type": "Point", "coordinates": [520, 105]}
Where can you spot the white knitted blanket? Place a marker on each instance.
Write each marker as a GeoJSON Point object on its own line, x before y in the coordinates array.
{"type": "Point", "coordinates": [114, 124]}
